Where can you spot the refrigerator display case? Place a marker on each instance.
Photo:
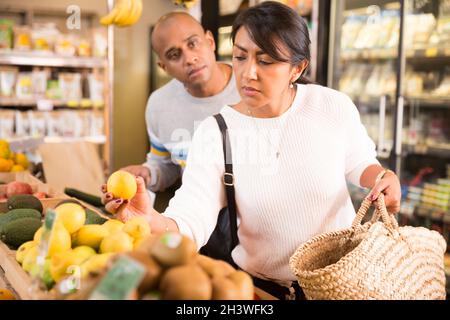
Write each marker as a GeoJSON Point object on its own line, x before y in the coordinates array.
{"type": "Point", "coordinates": [229, 10]}
{"type": "Point", "coordinates": [393, 59]}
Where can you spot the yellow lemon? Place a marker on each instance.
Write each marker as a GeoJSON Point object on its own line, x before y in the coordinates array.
{"type": "Point", "coordinates": [6, 165]}
{"type": "Point", "coordinates": [116, 242]}
{"type": "Point", "coordinates": [113, 226]}
{"type": "Point", "coordinates": [60, 240]}
{"type": "Point", "coordinates": [137, 227]}
{"type": "Point", "coordinates": [84, 252]}
{"type": "Point", "coordinates": [6, 295]}
{"type": "Point", "coordinates": [64, 263]}
{"type": "Point", "coordinates": [122, 185]}
{"type": "Point", "coordinates": [23, 250]}
{"type": "Point", "coordinates": [4, 144]}
{"type": "Point", "coordinates": [72, 216]}
{"type": "Point", "coordinates": [22, 160]}
{"type": "Point", "coordinates": [29, 259]}
{"type": "Point", "coordinates": [137, 242]}
{"type": "Point", "coordinates": [38, 235]}
{"type": "Point", "coordinates": [17, 168]}
{"type": "Point", "coordinates": [90, 235]}
{"type": "Point", "coordinates": [95, 263]}
{"type": "Point", "coordinates": [5, 153]}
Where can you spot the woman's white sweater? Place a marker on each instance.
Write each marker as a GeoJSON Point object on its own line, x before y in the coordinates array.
{"type": "Point", "coordinates": [282, 201]}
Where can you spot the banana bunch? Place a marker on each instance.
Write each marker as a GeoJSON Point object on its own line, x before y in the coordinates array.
{"type": "Point", "coordinates": [125, 13]}
{"type": "Point", "coordinates": [185, 3]}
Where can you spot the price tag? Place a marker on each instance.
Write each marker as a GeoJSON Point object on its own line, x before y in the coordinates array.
{"type": "Point", "coordinates": [120, 281]}
{"type": "Point", "coordinates": [44, 105]}
{"type": "Point", "coordinates": [86, 103]}
{"type": "Point", "coordinates": [431, 52]}
{"type": "Point", "coordinates": [72, 103]}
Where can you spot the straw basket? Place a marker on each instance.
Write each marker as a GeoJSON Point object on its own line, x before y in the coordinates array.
{"type": "Point", "coordinates": [376, 260]}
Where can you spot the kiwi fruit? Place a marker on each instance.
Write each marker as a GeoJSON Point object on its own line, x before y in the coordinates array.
{"type": "Point", "coordinates": [173, 249]}
{"type": "Point", "coordinates": [224, 289]}
{"type": "Point", "coordinates": [213, 267]}
{"type": "Point", "coordinates": [244, 283]}
{"type": "Point", "coordinates": [153, 271]}
{"type": "Point", "coordinates": [187, 282]}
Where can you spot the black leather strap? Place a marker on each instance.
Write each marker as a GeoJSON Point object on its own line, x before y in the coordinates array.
{"type": "Point", "coordinates": [228, 177]}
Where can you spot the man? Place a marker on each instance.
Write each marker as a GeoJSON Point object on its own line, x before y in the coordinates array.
{"type": "Point", "coordinates": [200, 88]}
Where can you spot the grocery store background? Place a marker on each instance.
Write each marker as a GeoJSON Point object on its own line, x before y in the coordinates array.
{"type": "Point", "coordinates": [61, 86]}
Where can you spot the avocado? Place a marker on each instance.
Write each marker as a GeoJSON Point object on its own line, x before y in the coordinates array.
{"type": "Point", "coordinates": [19, 231]}
{"type": "Point", "coordinates": [18, 214]}
{"type": "Point", "coordinates": [93, 218]}
{"type": "Point", "coordinates": [24, 201]}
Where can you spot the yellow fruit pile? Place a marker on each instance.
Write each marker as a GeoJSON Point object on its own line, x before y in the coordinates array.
{"type": "Point", "coordinates": [76, 249]}
{"type": "Point", "coordinates": [10, 161]}
{"type": "Point", "coordinates": [170, 269]}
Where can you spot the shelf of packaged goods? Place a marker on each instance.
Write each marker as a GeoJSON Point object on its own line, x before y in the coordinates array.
{"type": "Point", "coordinates": [442, 150]}
{"type": "Point", "coordinates": [49, 60]}
{"type": "Point", "coordinates": [46, 104]}
{"type": "Point", "coordinates": [373, 102]}
{"type": "Point", "coordinates": [391, 53]}
{"type": "Point", "coordinates": [428, 102]}
{"type": "Point", "coordinates": [25, 143]}
{"type": "Point", "coordinates": [31, 143]}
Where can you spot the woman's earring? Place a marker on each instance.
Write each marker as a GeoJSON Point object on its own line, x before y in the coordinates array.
{"type": "Point", "coordinates": [291, 85]}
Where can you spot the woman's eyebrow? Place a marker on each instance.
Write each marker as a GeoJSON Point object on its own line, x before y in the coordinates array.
{"type": "Point", "coordinates": [258, 53]}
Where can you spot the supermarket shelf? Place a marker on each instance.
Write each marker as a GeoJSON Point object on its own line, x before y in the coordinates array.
{"type": "Point", "coordinates": [424, 101]}
{"type": "Point", "coordinates": [49, 60]}
{"type": "Point", "coordinates": [442, 150]}
{"type": "Point", "coordinates": [94, 139]}
{"type": "Point", "coordinates": [31, 143]}
{"type": "Point", "coordinates": [391, 53]}
{"type": "Point", "coordinates": [421, 101]}
{"type": "Point", "coordinates": [25, 143]}
{"type": "Point", "coordinates": [32, 103]}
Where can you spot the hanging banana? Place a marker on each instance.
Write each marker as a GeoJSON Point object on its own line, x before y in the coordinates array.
{"type": "Point", "coordinates": [185, 3]}
{"type": "Point", "coordinates": [125, 13]}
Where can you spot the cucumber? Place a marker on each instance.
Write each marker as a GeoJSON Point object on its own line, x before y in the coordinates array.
{"type": "Point", "coordinates": [93, 218]}
{"type": "Point", "coordinates": [83, 196]}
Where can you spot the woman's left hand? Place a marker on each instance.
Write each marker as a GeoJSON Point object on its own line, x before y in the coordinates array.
{"type": "Point", "coordinates": [389, 185]}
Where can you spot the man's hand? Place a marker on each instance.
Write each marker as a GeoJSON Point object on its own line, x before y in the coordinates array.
{"type": "Point", "coordinates": [139, 171]}
{"type": "Point", "coordinates": [139, 205]}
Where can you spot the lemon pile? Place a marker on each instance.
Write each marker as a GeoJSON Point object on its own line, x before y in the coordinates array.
{"type": "Point", "coordinates": [10, 161]}
{"type": "Point", "coordinates": [78, 249]}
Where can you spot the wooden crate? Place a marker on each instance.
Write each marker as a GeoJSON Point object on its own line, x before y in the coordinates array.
{"type": "Point", "coordinates": [36, 185]}
{"type": "Point", "coordinates": [19, 280]}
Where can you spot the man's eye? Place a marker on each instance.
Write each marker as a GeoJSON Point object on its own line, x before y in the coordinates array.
{"type": "Point", "coordinates": [239, 58]}
{"type": "Point", "coordinates": [192, 44]}
{"type": "Point", "coordinates": [174, 56]}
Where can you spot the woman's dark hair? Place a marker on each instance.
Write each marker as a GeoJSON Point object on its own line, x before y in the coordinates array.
{"type": "Point", "coordinates": [270, 23]}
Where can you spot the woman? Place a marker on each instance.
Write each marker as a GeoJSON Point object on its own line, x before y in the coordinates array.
{"type": "Point", "coordinates": [294, 147]}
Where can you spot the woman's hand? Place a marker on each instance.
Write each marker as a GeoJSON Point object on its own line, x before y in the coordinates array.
{"type": "Point", "coordinates": [139, 205]}
{"type": "Point", "coordinates": [389, 185]}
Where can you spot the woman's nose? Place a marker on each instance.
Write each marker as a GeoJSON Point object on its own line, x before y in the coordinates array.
{"type": "Point", "coordinates": [250, 71]}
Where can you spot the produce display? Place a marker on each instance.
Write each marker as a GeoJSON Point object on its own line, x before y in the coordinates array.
{"type": "Point", "coordinates": [69, 251]}
{"type": "Point", "coordinates": [11, 161]}
{"type": "Point", "coordinates": [166, 266]}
